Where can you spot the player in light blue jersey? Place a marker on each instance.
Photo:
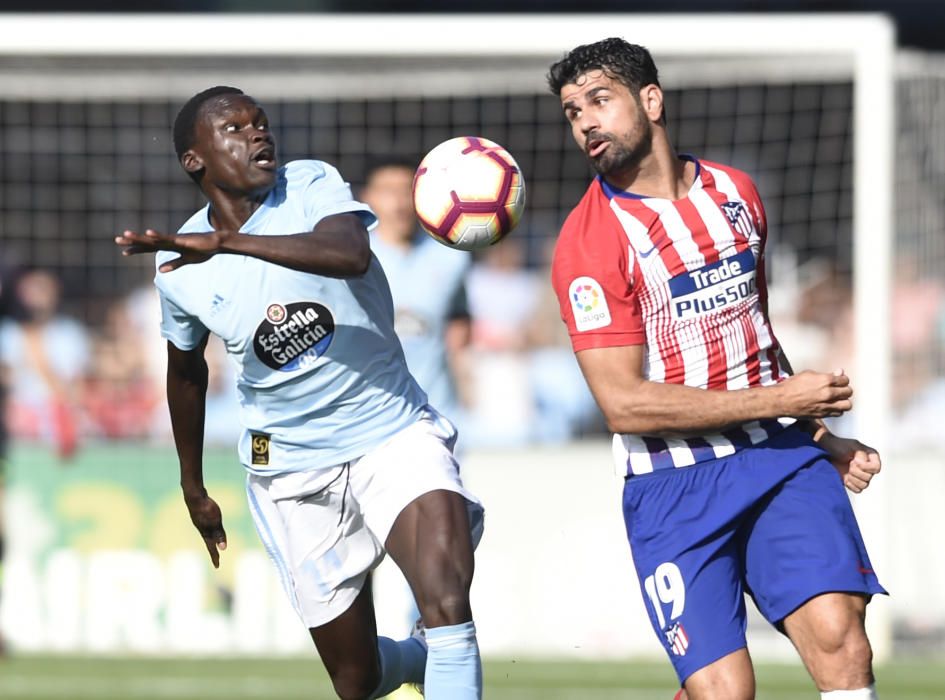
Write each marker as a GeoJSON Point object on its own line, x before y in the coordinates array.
{"type": "Point", "coordinates": [345, 458]}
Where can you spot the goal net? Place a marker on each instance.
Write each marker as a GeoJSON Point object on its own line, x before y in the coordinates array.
{"type": "Point", "coordinates": [803, 104]}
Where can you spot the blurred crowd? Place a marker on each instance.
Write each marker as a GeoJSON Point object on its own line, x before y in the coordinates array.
{"type": "Point", "coordinates": [517, 382]}
{"type": "Point", "coordinates": [513, 379]}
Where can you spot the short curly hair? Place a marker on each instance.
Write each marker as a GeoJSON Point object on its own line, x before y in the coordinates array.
{"type": "Point", "coordinates": [186, 121]}
{"type": "Point", "coordinates": [631, 64]}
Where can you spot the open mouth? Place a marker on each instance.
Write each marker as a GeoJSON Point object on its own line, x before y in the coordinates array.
{"type": "Point", "coordinates": [265, 158]}
{"type": "Point", "coordinates": [597, 146]}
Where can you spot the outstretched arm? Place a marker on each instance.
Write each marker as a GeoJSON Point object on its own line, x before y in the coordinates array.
{"type": "Point", "coordinates": [632, 404]}
{"type": "Point", "coordinates": [187, 377]}
{"type": "Point", "coordinates": [338, 246]}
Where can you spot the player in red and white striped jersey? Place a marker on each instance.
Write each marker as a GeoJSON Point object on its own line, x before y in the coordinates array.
{"type": "Point", "coordinates": [659, 272]}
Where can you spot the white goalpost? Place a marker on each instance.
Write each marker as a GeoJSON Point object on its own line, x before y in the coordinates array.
{"type": "Point", "coordinates": [417, 79]}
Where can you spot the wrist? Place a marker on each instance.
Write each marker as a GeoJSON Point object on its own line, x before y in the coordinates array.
{"type": "Point", "coordinates": [817, 430]}
{"type": "Point", "coordinates": [193, 492]}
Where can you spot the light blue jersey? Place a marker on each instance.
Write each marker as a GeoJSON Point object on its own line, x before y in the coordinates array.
{"type": "Point", "coordinates": [320, 373]}
{"type": "Point", "coordinates": [427, 282]}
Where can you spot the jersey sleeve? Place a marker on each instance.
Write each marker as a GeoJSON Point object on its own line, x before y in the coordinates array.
{"type": "Point", "coordinates": [591, 275]}
{"type": "Point", "coordinates": [326, 194]}
{"type": "Point", "coordinates": [180, 328]}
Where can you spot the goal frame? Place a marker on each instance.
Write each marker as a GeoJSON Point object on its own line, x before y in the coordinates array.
{"type": "Point", "coordinates": [866, 41]}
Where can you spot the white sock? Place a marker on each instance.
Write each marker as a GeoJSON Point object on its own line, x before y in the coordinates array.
{"type": "Point", "coordinates": [868, 693]}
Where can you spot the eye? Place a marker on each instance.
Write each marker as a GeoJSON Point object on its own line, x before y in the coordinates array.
{"type": "Point", "coordinates": [231, 128]}
{"type": "Point", "coordinates": [263, 126]}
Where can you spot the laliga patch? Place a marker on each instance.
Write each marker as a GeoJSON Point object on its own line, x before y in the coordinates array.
{"type": "Point", "coordinates": [293, 336]}
{"type": "Point", "coordinates": [713, 287]}
{"type": "Point", "coordinates": [260, 447]}
{"type": "Point", "coordinates": [588, 304]}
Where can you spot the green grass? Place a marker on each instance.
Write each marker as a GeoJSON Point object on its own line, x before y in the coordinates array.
{"type": "Point", "coordinates": [95, 678]}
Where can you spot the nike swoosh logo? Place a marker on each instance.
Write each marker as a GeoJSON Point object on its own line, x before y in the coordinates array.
{"type": "Point", "coordinates": [648, 253]}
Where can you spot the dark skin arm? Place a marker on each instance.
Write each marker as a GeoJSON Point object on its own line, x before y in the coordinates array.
{"type": "Point", "coordinates": [856, 463]}
{"type": "Point", "coordinates": [187, 377]}
{"type": "Point", "coordinates": [338, 246]}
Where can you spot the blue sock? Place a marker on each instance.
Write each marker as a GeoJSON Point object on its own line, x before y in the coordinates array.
{"type": "Point", "coordinates": [401, 662]}
{"type": "Point", "coordinates": [454, 669]}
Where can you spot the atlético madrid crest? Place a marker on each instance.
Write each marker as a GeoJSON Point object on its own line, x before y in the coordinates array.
{"type": "Point", "coordinates": [738, 217]}
{"type": "Point", "coordinates": [677, 639]}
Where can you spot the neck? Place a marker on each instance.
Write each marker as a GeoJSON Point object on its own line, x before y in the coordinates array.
{"type": "Point", "coordinates": [660, 174]}
{"type": "Point", "coordinates": [228, 212]}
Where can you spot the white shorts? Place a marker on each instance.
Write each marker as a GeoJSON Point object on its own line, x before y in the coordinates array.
{"type": "Point", "coordinates": [325, 530]}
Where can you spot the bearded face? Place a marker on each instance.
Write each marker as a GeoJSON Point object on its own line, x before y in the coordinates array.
{"type": "Point", "coordinates": [608, 122]}
{"type": "Point", "coordinates": [625, 150]}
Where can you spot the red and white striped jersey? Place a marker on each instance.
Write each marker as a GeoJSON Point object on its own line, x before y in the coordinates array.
{"type": "Point", "coordinates": [683, 278]}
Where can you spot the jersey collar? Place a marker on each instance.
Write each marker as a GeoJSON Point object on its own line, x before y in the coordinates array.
{"type": "Point", "coordinates": [612, 191]}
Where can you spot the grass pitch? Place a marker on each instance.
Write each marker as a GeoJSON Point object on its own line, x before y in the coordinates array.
{"type": "Point", "coordinates": [94, 678]}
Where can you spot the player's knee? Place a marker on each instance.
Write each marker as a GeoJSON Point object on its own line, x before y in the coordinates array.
{"type": "Point", "coordinates": [352, 683]}
{"type": "Point", "coordinates": [845, 659]}
{"type": "Point", "coordinates": [842, 636]}
{"type": "Point", "coordinates": [721, 687]}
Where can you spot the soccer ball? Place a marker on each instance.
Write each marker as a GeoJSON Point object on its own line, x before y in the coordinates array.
{"type": "Point", "coordinates": [468, 193]}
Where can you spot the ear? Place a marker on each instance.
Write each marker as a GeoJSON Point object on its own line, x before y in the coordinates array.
{"type": "Point", "coordinates": [651, 99]}
{"type": "Point", "coordinates": [191, 162]}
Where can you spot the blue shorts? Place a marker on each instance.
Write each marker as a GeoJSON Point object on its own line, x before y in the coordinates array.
{"type": "Point", "coordinates": [773, 520]}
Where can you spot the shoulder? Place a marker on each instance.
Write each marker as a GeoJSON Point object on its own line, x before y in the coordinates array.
{"type": "Point", "coordinates": [304, 172]}
{"type": "Point", "coordinates": [590, 222]}
{"type": "Point", "coordinates": [198, 221]}
{"type": "Point", "coordinates": [739, 178]}
{"type": "Point", "coordinates": [591, 239]}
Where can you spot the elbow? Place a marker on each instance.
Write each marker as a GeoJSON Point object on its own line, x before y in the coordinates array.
{"type": "Point", "coordinates": [627, 418]}
{"type": "Point", "coordinates": [358, 258]}
{"type": "Point", "coordinates": [362, 261]}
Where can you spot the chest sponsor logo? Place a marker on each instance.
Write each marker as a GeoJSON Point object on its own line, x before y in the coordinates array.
{"type": "Point", "coordinates": [738, 217]}
{"type": "Point", "coordinates": [714, 286]}
{"type": "Point", "coordinates": [293, 336]}
{"type": "Point", "coordinates": [589, 304]}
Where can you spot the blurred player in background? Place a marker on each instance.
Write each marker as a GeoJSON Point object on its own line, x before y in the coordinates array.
{"type": "Point", "coordinates": [729, 489]}
{"type": "Point", "coordinates": [52, 352]}
{"type": "Point", "coordinates": [345, 457]}
{"type": "Point", "coordinates": [428, 285]}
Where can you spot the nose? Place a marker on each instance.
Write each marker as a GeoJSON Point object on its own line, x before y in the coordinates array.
{"type": "Point", "coordinates": [587, 123]}
{"type": "Point", "coordinates": [260, 135]}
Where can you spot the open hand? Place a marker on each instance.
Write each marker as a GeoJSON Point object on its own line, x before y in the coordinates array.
{"type": "Point", "coordinates": [193, 247]}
